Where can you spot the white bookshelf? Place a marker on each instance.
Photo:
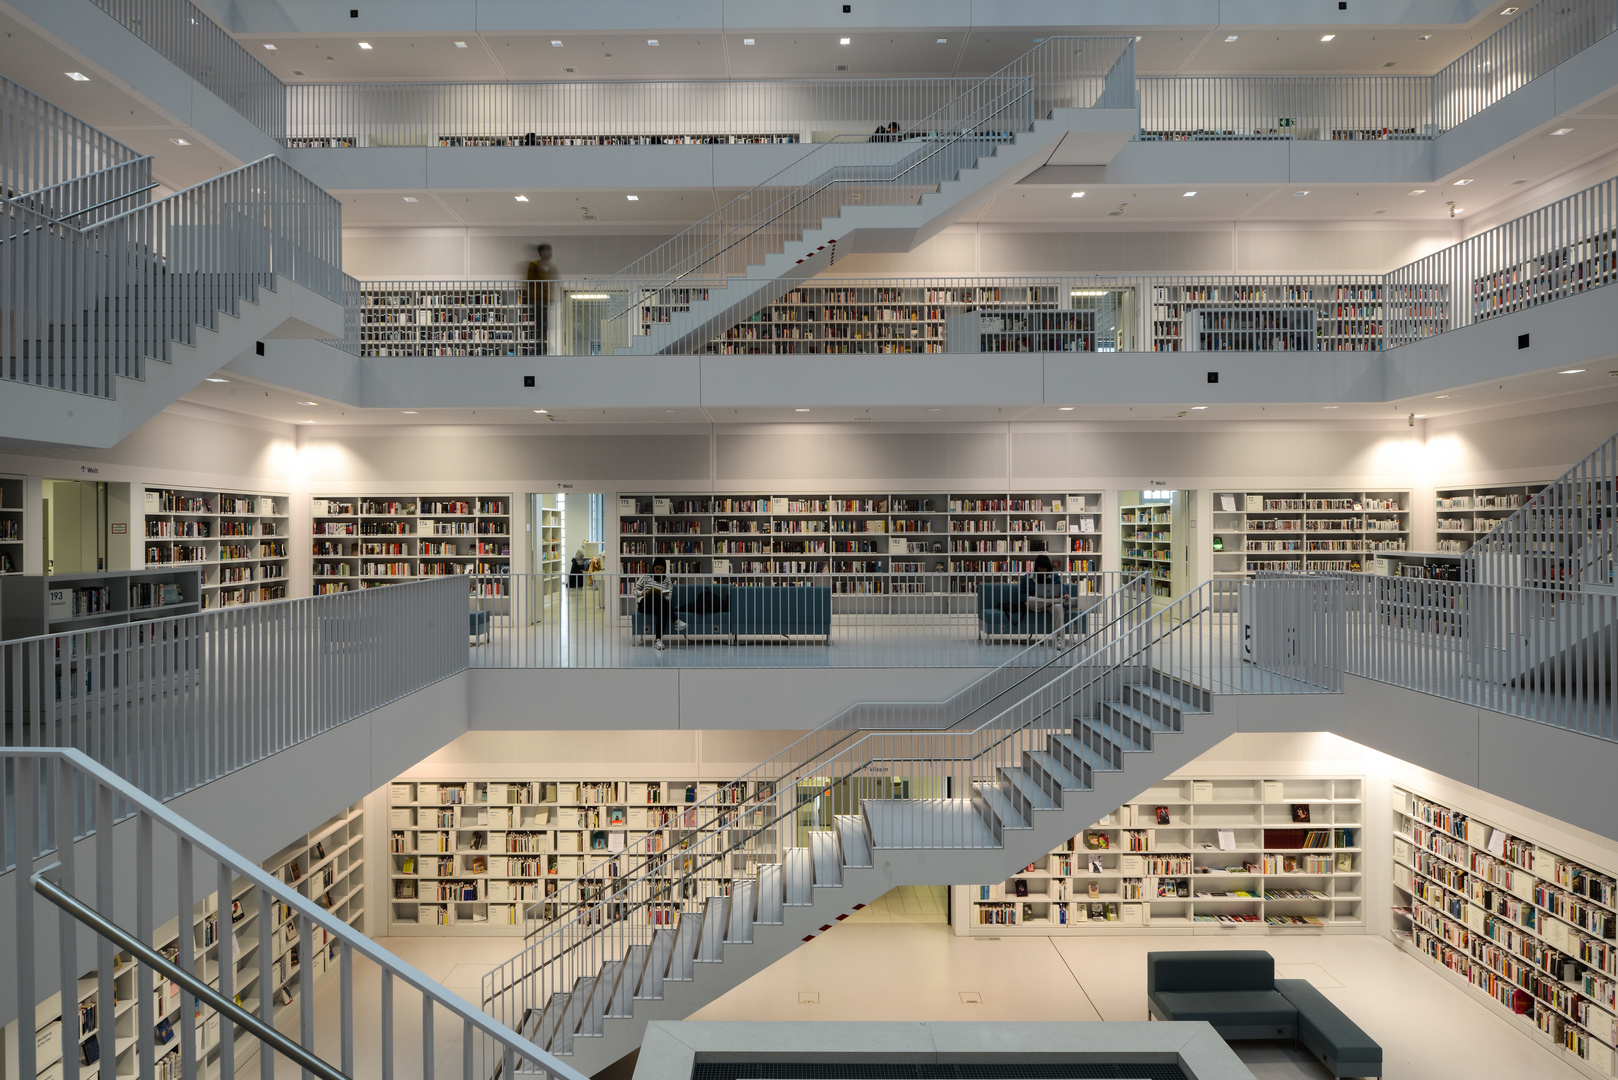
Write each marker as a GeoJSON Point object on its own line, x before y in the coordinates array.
{"type": "Point", "coordinates": [1231, 858]}
{"type": "Point", "coordinates": [1149, 523]}
{"type": "Point", "coordinates": [1465, 515]}
{"type": "Point", "coordinates": [12, 524]}
{"type": "Point", "coordinates": [239, 541]}
{"type": "Point", "coordinates": [1305, 530]}
{"type": "Point", "coordinates": [84, 1022]}
{"type": "Point", "coordinates": [1530, 930]}
{"type": "Point", "coordinates": [469, 856]}
{"type": "Point", "coordinates": [871, 543]}
{"type": "Point", "coordinates": [362, 541]}
{"type": "Point", "coordinates": [552, 561]}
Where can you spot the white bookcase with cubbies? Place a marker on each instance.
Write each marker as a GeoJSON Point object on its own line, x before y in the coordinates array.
{"type": "Point", "coordinates": [1466, 514]}
{"type": "Point", "coordinates": [239, 540]}
{"type": "Point", "coordinates": [362, 541]}
{"type": "Point", "coordinates": [1297, 315]}
{"type": "Point", "coordinates": [1532, 930]}
{"type": "Point", "coordinates": [11, 524]}
{"type": "Point", "coordinates": [97, 1036]}
{"type": "Point", "coordinates": [1305, 530]}
{"type": "Point", "coordinates": [473, 856]}
{"type": "Point", "coordinates": [552, 560]}
{"type": "Point", "coordinates": [1195, 856]}
{"type": "Point", "coordinates": [1149, 524]}
{"type": "Point", "coordinates": [862, 543]}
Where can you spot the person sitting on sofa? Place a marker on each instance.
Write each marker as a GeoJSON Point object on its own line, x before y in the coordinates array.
{"type": "Point", "coordinates": [1043, 590]}
{"type": "Point", "coordinates": [652, 599]}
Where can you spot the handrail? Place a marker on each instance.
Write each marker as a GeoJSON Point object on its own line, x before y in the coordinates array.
{"type": "Point", "coordinates": [80, 179]}
{"type": "Point", "coordinates": [174, 973]}
{"type": "Point", "coordinates": [59, 796]}
{"type": "Point", "coordinates": [47, 146]}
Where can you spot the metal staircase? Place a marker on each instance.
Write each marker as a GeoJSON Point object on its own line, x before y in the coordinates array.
{"type": "Point", "coordinates": [982, 785]}
{"type": "Point", "coordinates": [882, 193]}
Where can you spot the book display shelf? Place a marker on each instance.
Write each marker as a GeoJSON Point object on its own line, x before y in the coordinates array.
{"type": "Point", "coordinates": [1306, 530]}
{"type": "Point", "coordinates": [472, 856]}
{"type": "Point", "coordinates": [238, 540]}
{"type": "Point", "coordinates": [1570, 269]}
{"type": "Point", "coordinates": [361, 541]}
{"type": "Point", "coordinates": [1324, 316]}
{"type": "Point", "coordinates": [1424, 565]}
{"type": "Point", "coordinates": [1196, 856]}
{"type": "Point", "coordinates": [12, 521]}
{"type": "Point", "coordinates": [31, 605]}
{"type": "Point", "coordinates": [869, 543]}
{"type": "Point", "coordinates": [1148, 522]}
{"type": "Point", "coordinates": [104, 1039]}
{"type": "Point", "coordinates": [1466, 514]}
{"type": "Point", "coordinates": [895, 317]}
{"type": "Point", "coordinates": [552, 560]}
{"type": "Point", "coordinates": [446, 319]}
{"type": "Point", "coordinates": [1531, 930]}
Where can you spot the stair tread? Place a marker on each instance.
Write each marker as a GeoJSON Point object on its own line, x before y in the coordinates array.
{"type": "Point", "coordinates": [1094, 758]}
{"type": "Point", "coordinates": [1146, 720]}
{"type": "Point", "coordinates": [1001, 806]}
{"type": "Point", "coordinates": [1165, 697]}
{"type": "Point", "coordinates": [1029, 787]}
{"type": "Point", "coordinates": [851, 831]}
{"type": "Point", "coordinates": [1069, 780]}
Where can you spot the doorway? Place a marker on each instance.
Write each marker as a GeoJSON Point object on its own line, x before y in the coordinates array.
{"type": "Point", "coordinates": [85, 526]}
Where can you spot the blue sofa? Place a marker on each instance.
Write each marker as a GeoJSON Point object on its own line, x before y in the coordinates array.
{"type": "Point", "coordinates": [1002, 612]}
{"type": "Point", "coordinates": [753, 611]}
{"type": "Point", "coordinates": [1236, 992]}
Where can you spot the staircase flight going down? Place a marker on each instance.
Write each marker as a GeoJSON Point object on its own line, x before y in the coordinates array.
{"type": "Point", "coordinates": [959, 792]}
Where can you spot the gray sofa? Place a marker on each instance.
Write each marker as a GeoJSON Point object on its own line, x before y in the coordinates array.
{"type": "Point", "coordinates": [1238, 994]}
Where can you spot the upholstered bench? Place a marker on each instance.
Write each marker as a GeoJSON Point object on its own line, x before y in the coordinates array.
{"type": "Point", "coordinates": [1233, 991]}
{"type": "Point", "coordinates": [1340, 1044]}
{"type": "Point", "coordinates": [478, 625]}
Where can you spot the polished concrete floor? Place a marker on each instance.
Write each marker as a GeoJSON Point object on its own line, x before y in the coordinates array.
{"type": "Point", "coordinates": [898, 960]}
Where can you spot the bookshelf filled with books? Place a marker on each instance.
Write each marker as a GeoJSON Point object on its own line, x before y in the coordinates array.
{"type": "Point", "coordinates": [1465, 515]}
{"type": "Point", "coordinates": [105, 1040]}
{"type": "Point", "coordinates": [1150, 523]}
{"type": "Point", "coordinates": [473, 856]}
{"type": "Point", "coordinates": [1306, 530]}
{"type": "Point", "coordinates": [1290, 316]}
{"type": "Point", "coordinates": [12, 519]}
{"type": "Point", "coordinates": [238, 540]}
{"type": "Point", "coordinates": [447, 318]}
{"type": "Point", "coordinates": [862, 543]}
{"type": "Point", "coordinates": [362, 541]}
{"type": "Point", "coordinates": [1569, 269]}
{"type": "Point", "coordinates": [1194, 856]}
{"type": "Point", "coordinates": [1530, 930]}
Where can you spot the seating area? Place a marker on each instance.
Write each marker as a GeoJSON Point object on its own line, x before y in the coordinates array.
{"type": "Point", "coordinates": [735, 612]}
{"type": "Point", "coordinates": [1236, 992]}
{"type": "Point", "coordinates": [1002, 612]}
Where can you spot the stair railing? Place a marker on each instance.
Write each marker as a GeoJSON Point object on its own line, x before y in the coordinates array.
{"type": "Point", "coordinates": [1561, 538]}
{"type": "Point", "coordinates": [566, 921]}
{"type": "Point", "coordinates": [1059, 72]}
{"type": "Point", "coordinates": [86, 303]}
{"type": "Point", "coordinates": [239, 949]}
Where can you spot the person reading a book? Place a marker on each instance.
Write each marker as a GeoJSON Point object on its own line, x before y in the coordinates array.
{"type": "Point", "coordinates": [1043, 590]}
{"type": "Point", "coordinates": [653, 599]}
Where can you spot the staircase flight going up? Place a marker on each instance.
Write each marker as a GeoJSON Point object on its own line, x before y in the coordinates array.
{"type": "Point", "coordinates": [964, 791]}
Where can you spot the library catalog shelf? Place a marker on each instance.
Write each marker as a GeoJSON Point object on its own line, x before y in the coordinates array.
{"type": "Point", "coordinates": [1318, 531]}
{"type": "Point", "coordinates": [362, 541]}
{"type": "Point", "coordinates": [1195, 856]}
{"type": "Point", "coordinates": [238, 541]}
{"type": "Point", "coordinates": [1532, 931]}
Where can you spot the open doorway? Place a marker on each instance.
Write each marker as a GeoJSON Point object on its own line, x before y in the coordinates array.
{"type": "Point", "coordinates": [85, 526]}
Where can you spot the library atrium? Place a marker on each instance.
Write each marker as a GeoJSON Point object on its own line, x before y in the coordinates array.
{"type": "Point", "coordinates": [760, 466]}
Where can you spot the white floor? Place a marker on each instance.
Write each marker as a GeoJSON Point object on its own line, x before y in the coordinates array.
{"type": "Point", "coordinates": [897, 960]}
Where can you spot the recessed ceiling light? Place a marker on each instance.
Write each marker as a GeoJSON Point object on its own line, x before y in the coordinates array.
{"type": "Point", "coordinates": [411, 198]}
{"type": "Point", "coordinates": [216, 379]}
{"type": "Point", "coordinates": [1425, 37]}
{"type": "Point", "coordinates": [181, 142]}
{"type": "Point", "coordinates": [268, 46]}
{"type": "Point", "coordinates": [1077, 195]}
{"type": "Point", "coordinates": [1572, 371]}
{"type": "Point", "coordinates": [1304, 192]}
{"type": "Point", "coordinates": [521, 198]}
{"type": "Point", "coordinates": [460, 44]}
{"type": "Point", "coordinates": [633, 198]}
{"type": "Point", "coordinates": [77, 76]}
{"type": "Point", "coordinates": [668, 410]}
{"type": "Point", "coordinates": [1329, 406]}
{"type": "Point", "coordinates": [943, 41]}
{"type": "Point", "coordinates": [1188, 194]}
{"type": "Point", "coordinates": [1462, 183]}
{"type": "Point", "coordinates": [800, 410]}
{"type": "Point", "coordinates": [1442, 397]}
{"type": "Point", "coordinates": [1419, 191]}
{"type": "Point", "coordinates": [542, 411]}
{"type": "Point", "coordinates": [1064, 408]}
{"type": "Point", "coordinates": [1233, 37]}
{"type": "Point", "coordinates": [651, 41]}
{"type": "Point", "coordinates": [366, 45]}
{"type": "Point", "coordinates": [1327, 37]}
{"type": "Point", "coordinates": [410, 412]}
{"type": "Point", "coordinates": [556, 44]}
{"type": "Point", "coordinates": [1137, 37]}
{"type": "Point", "coordinates": [305, 421]}
{"type": "Point", "coordinates": [844, 41]}
{"type": "Point", "coordinates": [1561, 131]}
{"type": "Point", "coordinates": [1508, 11]}
{"type": "Point", "coordinates": [1198, 408]}
{"type": "Point", "coordinates": [748, 41]}
{"type": "Point", "coordinates": [308, 403]}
